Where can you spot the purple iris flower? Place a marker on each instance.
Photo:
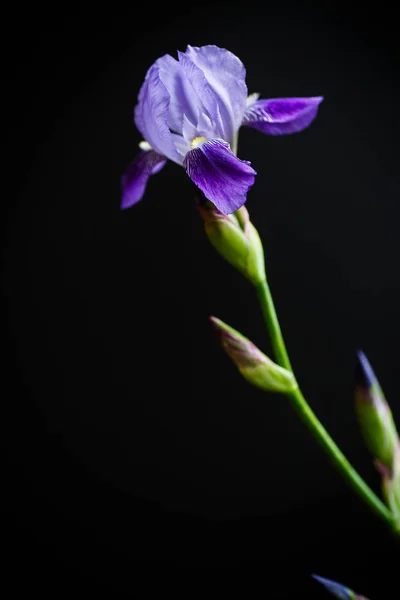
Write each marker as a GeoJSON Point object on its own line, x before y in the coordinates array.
{"type": "Point", "coordinates": [190, 110]}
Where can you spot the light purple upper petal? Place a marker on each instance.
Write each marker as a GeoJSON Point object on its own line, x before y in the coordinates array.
{"type": "Point", "coordinates": [151, 115]}
{"type": "Point", "coordinates": [222, 177]}
{"type": "Point", "coordinates": [135, 178]}
{"type": "Point", "coordinates": [183, 99]}
{"type": "Point", "coordinates": [211, 107]}
{"type": "Point", "coordinates": [226, 75]}
{"type": "Point", "coordinates": [204, 128]}
{"type": "Point", "coordinates": [181, 145]}
{"type": "Point", "coordinates": [280, 116]}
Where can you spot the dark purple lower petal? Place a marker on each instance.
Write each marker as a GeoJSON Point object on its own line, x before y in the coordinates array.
{"type": "Point", "coordinates": [281, 116]}
{"type": "Point", "coordinates": [135, 178]}
{"type": "Point", "coordinates": [222, 177]}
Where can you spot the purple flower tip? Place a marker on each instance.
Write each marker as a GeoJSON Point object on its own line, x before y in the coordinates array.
{"type": "Point", "coordinates": [364, 375]}
{"type": "Point", "coordinates": [336, 589]}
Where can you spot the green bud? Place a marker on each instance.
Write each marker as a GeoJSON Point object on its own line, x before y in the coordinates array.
{"type": "Point", "coordinates": [257, 368]}
{"type": "Point", "coordinates": [236, 239]}
{"type": "Point", "coordinates": [374, 415]}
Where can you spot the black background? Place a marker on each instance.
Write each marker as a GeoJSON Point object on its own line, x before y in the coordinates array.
{"type": "Point", "coordinates": [133, 448]}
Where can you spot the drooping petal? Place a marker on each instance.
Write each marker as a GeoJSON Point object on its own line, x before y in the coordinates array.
{"type": "Point", "coordinates": [280, 116]}
{"type": "Point", "coordinates": [151, 115]}
{"type": "Point", "coordinates": [135, 178]}
{"type": "Point", "coordinates": [222, 177]}
{"type": "Point", "coordinates": [227, 76]}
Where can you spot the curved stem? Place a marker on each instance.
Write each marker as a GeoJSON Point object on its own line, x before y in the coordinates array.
{"type": "Point", "coordinates": [274, 329]}
{"type": "Point", "coordinates": [311, 421]}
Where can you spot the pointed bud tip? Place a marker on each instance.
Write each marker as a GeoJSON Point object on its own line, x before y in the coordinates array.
{"type": "Point", "coordinates": [217, 323]}
{"type": "Point", "coordinates": [320, 579]}
{"type": "Point", "coordinates": [336, 589]}
{"type": "Point", "coordinates": [364, 375]}
{"type": "Point", "coordinates": [227, 334]}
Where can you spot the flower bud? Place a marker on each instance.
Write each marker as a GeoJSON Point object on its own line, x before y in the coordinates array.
{"type": "Point", "coordinates": [338, 590]}
{"type": "Point", "coordinates": [236, 239]}
{"type": "Point", "coordinates": [257, 368]}
{"type": "Point", "coordinates": [374, 415]}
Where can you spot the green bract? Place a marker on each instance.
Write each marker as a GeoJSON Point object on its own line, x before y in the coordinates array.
{"type": "Point", "coordinates": [236, 239]}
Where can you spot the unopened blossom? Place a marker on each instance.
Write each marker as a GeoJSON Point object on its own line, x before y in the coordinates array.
{"type": "Point", "coordinates": [190, 110]}
{"type": "Point", "coordinates": [254, 365]}
{"type": "Point", "coordinates": [236, 239]}
{"type": "Point", "coordinates": [374, 414]}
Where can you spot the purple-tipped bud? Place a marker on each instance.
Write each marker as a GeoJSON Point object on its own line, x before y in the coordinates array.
{"type": "Point", "coordinates": [338, 590]}
{"type": "Point", "coordinates": [236, 239]}
{"type": "Point", "coordinates": [374, 415]}
{"type": "Point", "coordinates": [257, 368]}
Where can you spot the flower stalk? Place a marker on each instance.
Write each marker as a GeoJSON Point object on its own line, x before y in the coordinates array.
{"type": "Point", "coordinates": [309, 418]}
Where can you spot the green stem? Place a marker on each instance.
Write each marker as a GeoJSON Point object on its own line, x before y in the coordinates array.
{"type": "Point", "coordinates": [308, 416]}
{"type": "Point", "coordinates": [234, 145]}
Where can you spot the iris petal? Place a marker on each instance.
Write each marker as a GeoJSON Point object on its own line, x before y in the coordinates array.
{"type": "Point", "coordinates": [151, 115]}
{"type": "Point", "coordinates": [221, 176]}
{"type": "Point", "coordinates": [226, 75]}
{"type": "Point", "coordinates": [280, 116]}
{"type": "Point", "coordinates": [184, 100]}
{"type": "Point", "coordinates": [135, 179]}
{"type": "Point", "coordinates": [211, 106]}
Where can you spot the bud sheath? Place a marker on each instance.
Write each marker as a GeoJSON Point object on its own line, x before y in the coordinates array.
{"type": "Point", "coordinates": [236, 239]}
{"type": "Point", "coordinates": [255, 366]}
{"type": "Point", "coordinates": [374, 415]}
{"type": "Point", "coordinates": [391, 486]}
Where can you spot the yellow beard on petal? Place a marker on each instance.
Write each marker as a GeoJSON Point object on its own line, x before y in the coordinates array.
{"type": "Point", "coordinates": [198, 141]}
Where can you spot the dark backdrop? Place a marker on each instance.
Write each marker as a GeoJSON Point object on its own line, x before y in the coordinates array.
{"type": "Point", "coordinates": [132, 445]}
